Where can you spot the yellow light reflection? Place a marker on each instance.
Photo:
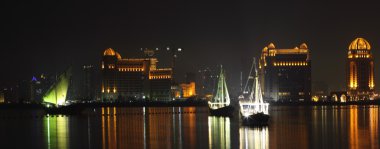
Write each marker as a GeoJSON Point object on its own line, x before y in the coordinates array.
{"type": "Point", "coordinates": [257, 137]}
{"type": "Point", "coordinates": [57, 132]}
{"type": "Point", "coordinates": [353, 128]}
{"type": "Point", "coordinates": [219, 132]}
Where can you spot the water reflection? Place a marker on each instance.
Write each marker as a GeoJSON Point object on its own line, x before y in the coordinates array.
{"type": "Point", "coordinates": [219, 132]}
{"type": "Point", "coordinates": [345, 127]}
{"type": "Point", "coordinates": [57, 132]}
{"type": "Point", "coordinates": [150, 128]}
{"type": "Point", "coordinates": [257, 137]}
{"type": "Point", "coordinates": [290, 127]}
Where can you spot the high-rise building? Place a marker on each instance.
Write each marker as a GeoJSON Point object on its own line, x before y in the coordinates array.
{"type": "Point", "coordinates": [88, 91]}
{"type": "Point", "coordinates": [360, 70]}
{"type": "Point", "coordinates": [35, 90]}
{"type": "Point", "coordinates": [134, 78]}
{"type": "Point", "coordinates": [285, 73]}
{"type": "Point", "coordinates": [207, 83]}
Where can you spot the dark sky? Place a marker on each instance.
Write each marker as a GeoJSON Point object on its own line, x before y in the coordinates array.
{"type": "Point", "coordinates": [47, 36]}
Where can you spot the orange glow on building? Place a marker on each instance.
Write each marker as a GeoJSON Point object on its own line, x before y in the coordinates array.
{"type": "Point", "coordinates": [109, 52]}
{"type": "Point", "coordinates": [353, 76]}
{"type": "Point", "coordinates": [276, 66]}
{"type": "Point", "coordinates": [360, 73]}
{"type": "Point", "coordinates": [371, 77]}
{"type": "Point", "coordinates": [160, 74]}
{"type": "Point", "coordinates": [133, 77]}
{"type": "Point", "coordinates": [188, 89]}
{"type": "Point", "coordinates": [290, 63]}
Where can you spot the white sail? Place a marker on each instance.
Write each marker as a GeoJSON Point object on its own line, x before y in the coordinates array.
{"type": "Point", "coordinates": [221, 98]}
{"type": "Point", "coordinates": [227, 96]}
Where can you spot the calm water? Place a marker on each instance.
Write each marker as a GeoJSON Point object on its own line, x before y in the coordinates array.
{"type": "Point", "coordinates": [290, 127]}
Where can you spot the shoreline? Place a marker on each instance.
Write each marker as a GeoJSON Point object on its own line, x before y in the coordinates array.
{"type": "Point", "coordinates": [78, 108]}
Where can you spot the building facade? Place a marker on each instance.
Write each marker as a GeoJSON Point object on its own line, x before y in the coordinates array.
{"type": "Point", "coordinates": [124, 78]}
{"type": "Point", "coordinates": [285, 74]}
{"type": "Point", "coordinates": [206, 83]}
{"type": "Point", "coordinates": [360, 70]}
{"type": "Point", "coordinates": [88, 86]}
{"type": "Point", "coordinates": [188, 89]}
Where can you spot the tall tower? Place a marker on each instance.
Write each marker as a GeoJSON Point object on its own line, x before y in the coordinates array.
{"type": "Point", "coordinates": [360, 75]}
{"type": "Point", "coordinates": [109, 71]}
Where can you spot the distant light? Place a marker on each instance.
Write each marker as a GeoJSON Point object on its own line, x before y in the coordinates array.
{"type": "Point", "coordinates": [156, 49]}
{"type": "Point", "coordinates": [179, 49]}
{"type": "Point", "coordinates": [167, 48]}
{"type": "Point", "coordinates": [34, 79]}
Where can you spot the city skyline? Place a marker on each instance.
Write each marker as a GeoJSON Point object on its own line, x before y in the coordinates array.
{"type": "Point", "coordinates": [190, 74]}
{"type": "Point", "coordinates": [38, 41]}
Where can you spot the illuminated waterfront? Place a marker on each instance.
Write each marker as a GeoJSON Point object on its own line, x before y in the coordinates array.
{"type": "Point", "coordinates": [290, 127]}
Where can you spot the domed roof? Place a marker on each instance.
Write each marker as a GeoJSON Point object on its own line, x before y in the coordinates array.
{"type": "Point", "coordinates": [265, 49]}
{"type": "Point", "coordinates": [359, 44]}
{"type": "Point", "coordinates": [303, 46]}
{"type": "Point", "coordinates": [109, 52]}
{"type": "Point", "coordinates": [271, 46]}
{"type": "Point", "coordinates": [118, 55]}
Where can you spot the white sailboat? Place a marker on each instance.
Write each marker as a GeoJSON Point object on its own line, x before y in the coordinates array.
{"type": "Point", "coordinates": [254, 110]}
{"type": "Point", "coordinates": [220, 104]}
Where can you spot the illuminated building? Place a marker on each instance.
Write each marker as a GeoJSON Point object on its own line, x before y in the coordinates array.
{"type": "Point", "coordinates": [360, 67]}
{"type": "Point", "coordinates": [133, 78]}
{"type": "Point", "coordinates": [286, 73]}
{"type": "Point", "coordinates": [188, 89]}
{"type": "Point", "coordinates": [319, 91]}
{"type": "Point", "coordinates": [37, 88]}
{"type": "Point", "coordinates": [160, 84]}
{"type": "Point", "coordinates": [338, 96]}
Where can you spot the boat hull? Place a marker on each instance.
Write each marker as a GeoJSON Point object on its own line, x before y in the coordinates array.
{"type": "Point", "coordinates": [224, 111]}
{"type": "Point", "coordinates": [259, 119]}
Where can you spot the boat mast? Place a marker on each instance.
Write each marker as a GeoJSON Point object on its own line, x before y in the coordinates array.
{"type": "Point", "coordinates": [222, 82]}
{"type": "Point", "coordinates": [227, 96]}
{"type": "Point", "coordinates": [222, 95]}
{"type": "Point", "coordinates": [253, 90]}
{"type": "Point", "coordinates": [55, 89]}
{"type": "Point", "coordinates": [258, 96]}
{"type": "Point", "coordinates": [246, 86]}
{"type": "Point", "coordinates": [219, 90]}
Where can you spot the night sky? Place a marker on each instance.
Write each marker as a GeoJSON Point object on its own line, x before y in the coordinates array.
{"type": "Point", "coordinates": [47, 36]}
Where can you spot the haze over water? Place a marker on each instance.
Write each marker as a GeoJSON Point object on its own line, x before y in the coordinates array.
{"type": "Point", "coordinates": [191, 127]}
